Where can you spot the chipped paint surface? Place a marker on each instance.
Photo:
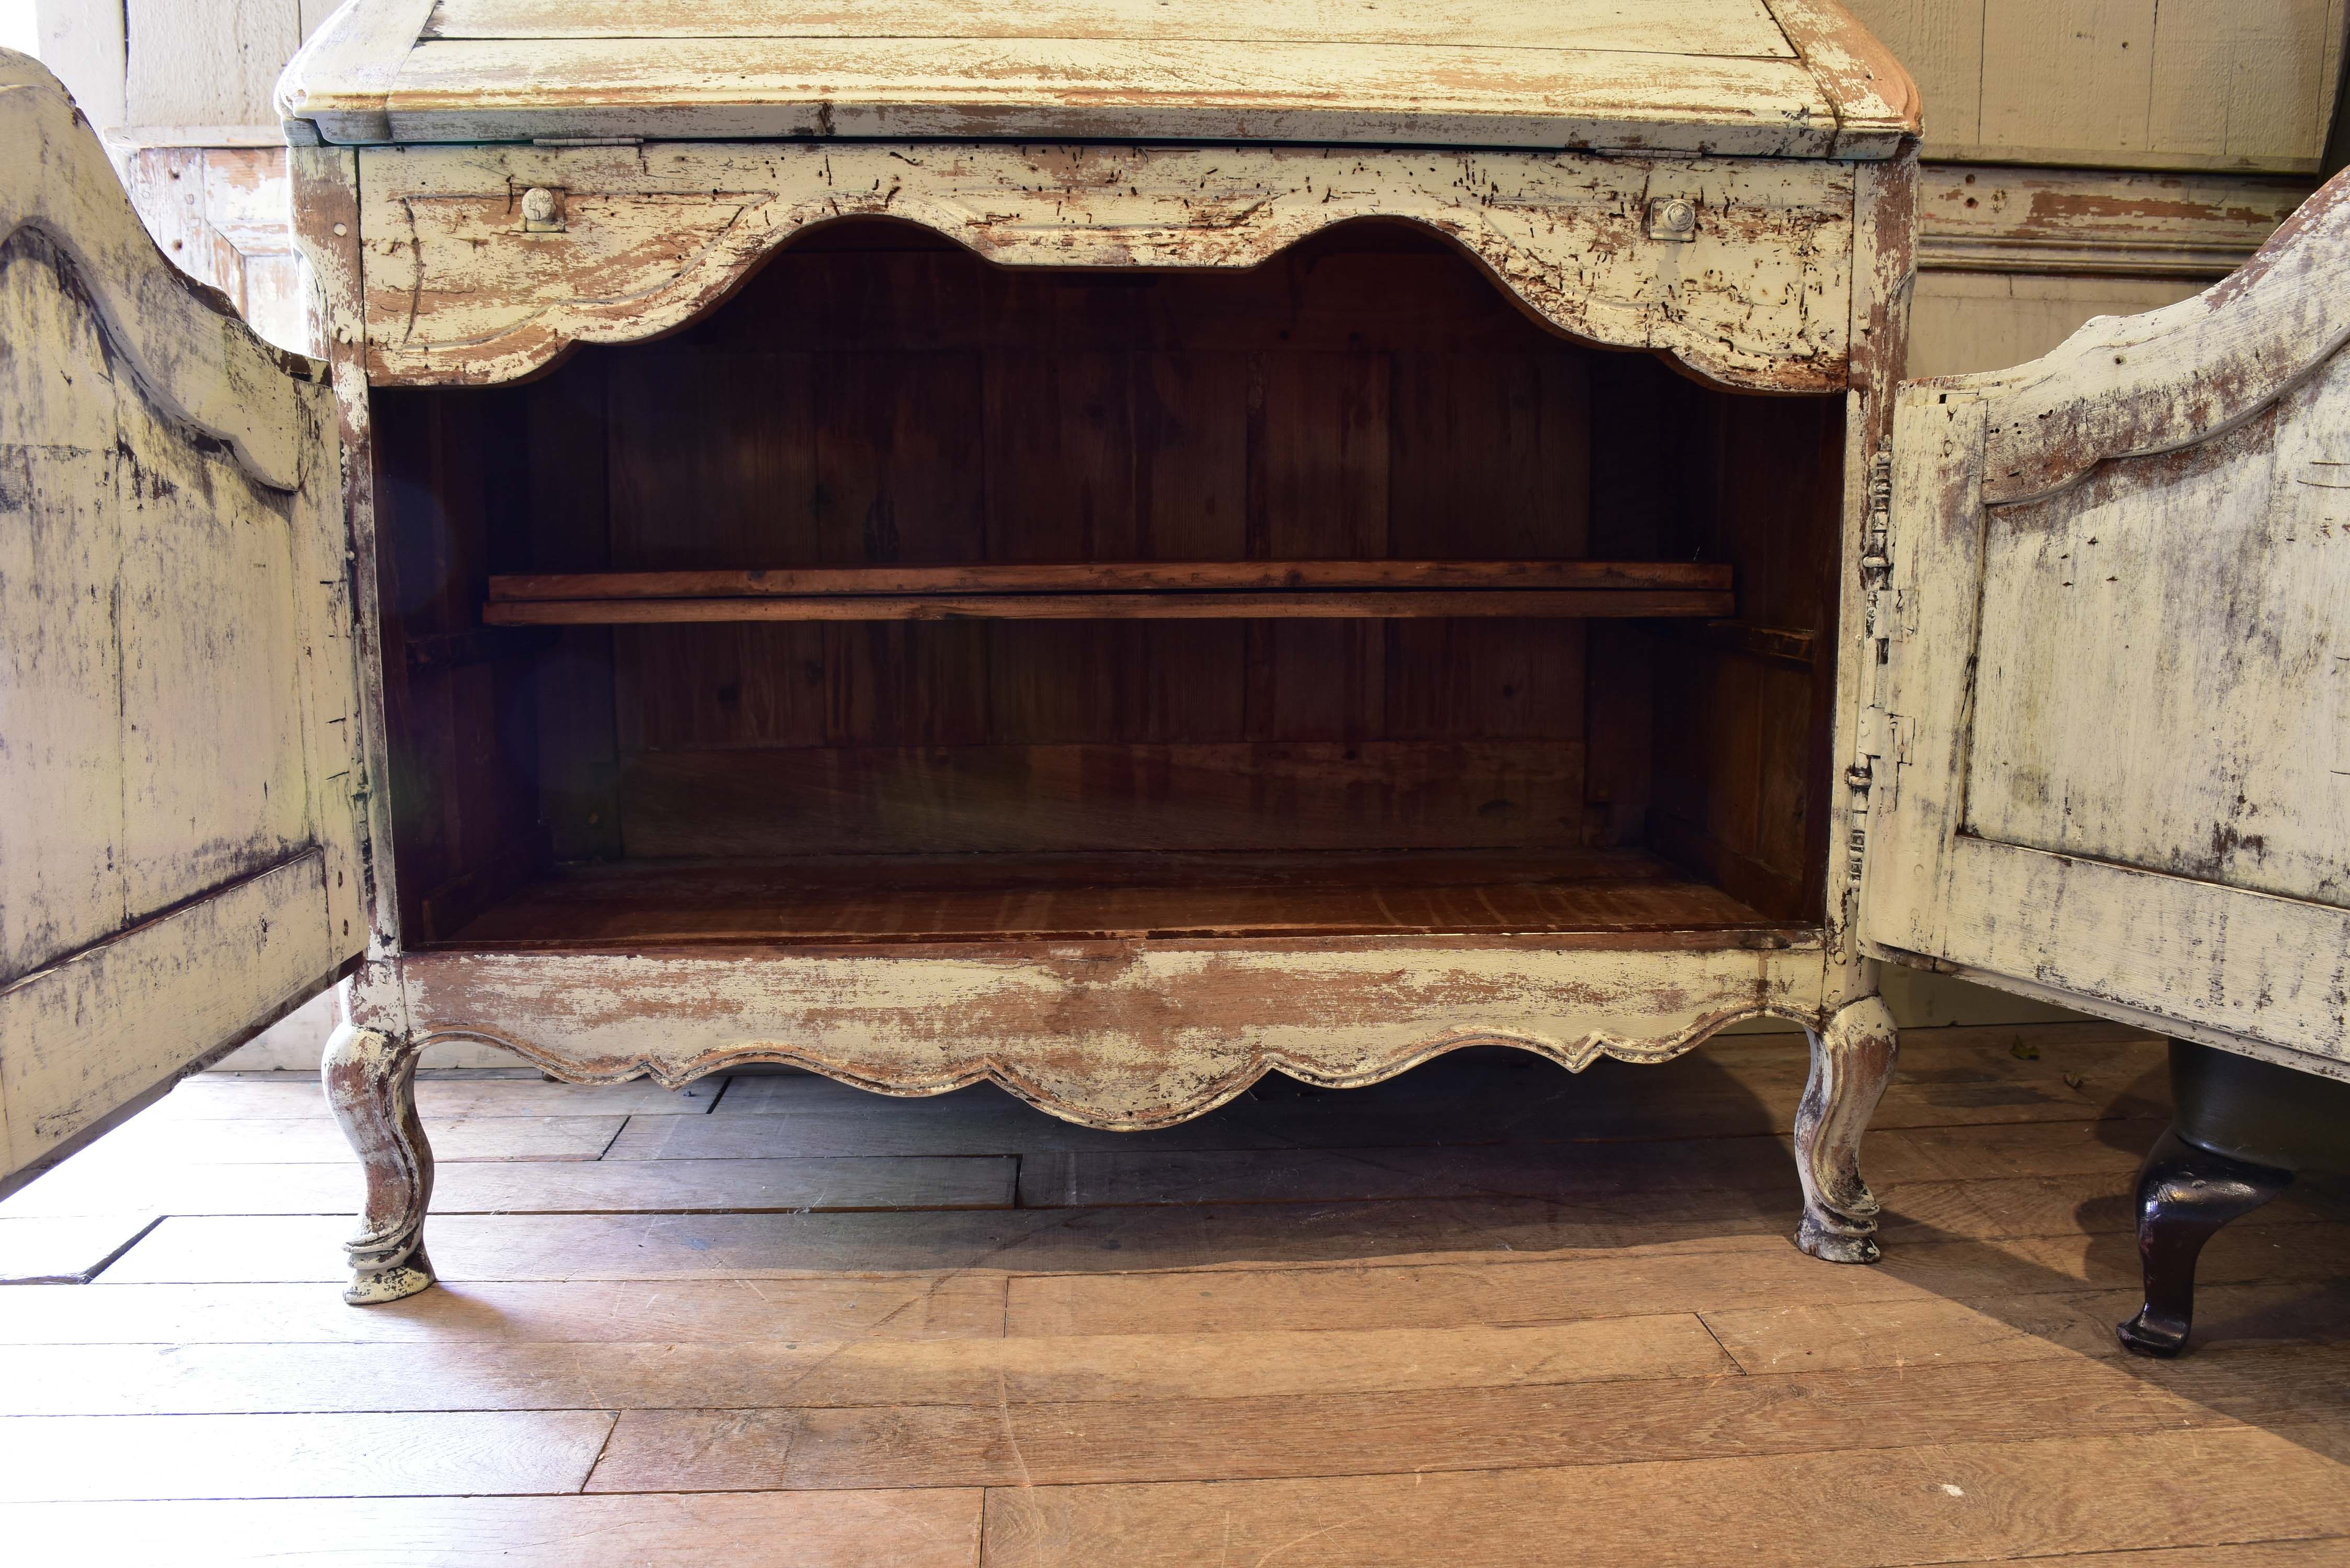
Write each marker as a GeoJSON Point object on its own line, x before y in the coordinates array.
{"type": "Point", "coordinates": [457, 292]}
{"type": "Point", "coordinates": [2120, 678]}
{"type": "Point", "coordinates": [177, 842]}
{"type": "Point", "coordinates": [2105, 223]}
{"type": "Point", "coordinates": [1113, 1034]}
{"type": "Point", "coordinates": [1797, 77]}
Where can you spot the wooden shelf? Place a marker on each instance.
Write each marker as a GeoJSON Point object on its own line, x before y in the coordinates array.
{"type": "Point", "coordinates": [1143, 590]}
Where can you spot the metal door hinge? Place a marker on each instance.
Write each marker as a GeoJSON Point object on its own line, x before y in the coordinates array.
{"type": "Point", "coordinates": [1877, 749]}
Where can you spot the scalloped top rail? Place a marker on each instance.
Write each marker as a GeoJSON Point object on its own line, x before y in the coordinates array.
{"type": "Point", "coordinates": [1768, 78]}
{"type": "Point", "coordinates": [484, 264]}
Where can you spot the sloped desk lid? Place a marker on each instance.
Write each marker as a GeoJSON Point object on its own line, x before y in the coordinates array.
{"type": "Point", "coordinates": [1783, 78]}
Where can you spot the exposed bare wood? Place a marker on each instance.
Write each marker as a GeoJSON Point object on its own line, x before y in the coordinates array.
{"type": "Point", "coordinates": [1875, 102]}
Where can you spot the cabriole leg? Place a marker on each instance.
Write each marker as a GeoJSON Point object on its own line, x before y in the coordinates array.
{"type": "Point", "coordinates": [2184, 1195]}
{"type": "Point", "coordinates": [370, 1080]}
{"type": "Point", "coordinates": [1852, 1062]}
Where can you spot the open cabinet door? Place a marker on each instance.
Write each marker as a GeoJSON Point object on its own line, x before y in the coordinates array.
{"type": "Point", "coordinates": [179, 843]}
{"type": "Point", "coordinates": [2111, 740]}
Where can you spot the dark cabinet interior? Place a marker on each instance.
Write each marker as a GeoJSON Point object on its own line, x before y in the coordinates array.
{"type": "Point", "coordinates": [909, 597]}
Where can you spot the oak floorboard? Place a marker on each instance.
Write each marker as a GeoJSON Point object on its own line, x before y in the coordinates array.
{"type": "Point", "coordinates": [229, 1379]}
{"type": "Point", "coordinates": [1571, 1173]}
{"type": "Point", "coordinates": [68, 1250]}
{"type": "Point", "coordinates": [264, 1248]}
{"type": "Point", "coordinates": [516, 1187]}
{"type": "Point", "coordinates": [1602, 1424]}
{"type": "Point", "coordinates": [90, 1458]}
{"type": "Point", "coordinates": [287, 1140]}
{"type": "Point", "coordinates": [1113, 1245]}
{"type": "Point", "coordinates": [1688, 1097]}
{"type": "Point", "coordinates": [1929, 1331]}
{"type": "Point", "coordinates": [902, 1529]}
{"type": "Point", "coordinates": [697, 1312]}
{"type": "Point", "coordinates": [1943, 1503]}
{"type": "Point", "coordinates": [1483, 1313]}
{"type": "Point", "coordinates": [2314, 1551]}
{"type": "Point", "coordinates": [963, 1124]}
{"type": "Point", "coordinates": [240, 1097]}
{"type": "Point", "coordinates": [1704, 1279]}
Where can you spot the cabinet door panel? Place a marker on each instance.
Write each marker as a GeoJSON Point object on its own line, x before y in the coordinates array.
{"type": "Point", "coordinates": [2115, 769]}
{"type": "Point", "coordinates": [178, 852]}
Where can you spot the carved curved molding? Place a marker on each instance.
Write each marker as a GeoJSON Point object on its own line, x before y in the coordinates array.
{"type": "Point", "coordinates": [1118, 1036]}
{"type": "Point", "coordinates": [183, 343]}
{"type": "Point", "coordinates": [2138, 385]}
{"type": "Point", "coordinates": [457, 291]}
{"type": "Point", "coordinates": [1013, 1076]}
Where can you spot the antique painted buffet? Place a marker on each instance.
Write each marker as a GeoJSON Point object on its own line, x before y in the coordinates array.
{"type": "Point", "coordinates": [1116, 547]}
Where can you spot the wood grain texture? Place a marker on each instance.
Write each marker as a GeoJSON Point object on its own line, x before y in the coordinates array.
{"type": "Point", "coordinates": [51, 1380]}
{"type": "Point", "coordinates": [1939, 1503]}
{"type": "Point", "coordinates": [907, 1528]}
{"type": "Point", "coordinates": [1856, 1415]}
{"type": "Point", "coordinates": [1540, 1364]}
{"type": "Point", "coordinates": [482, 1452]}
{"type": "Point", "coordinates": [837, 1185]}
{"type": "Point", "coordinates": [457, 293]}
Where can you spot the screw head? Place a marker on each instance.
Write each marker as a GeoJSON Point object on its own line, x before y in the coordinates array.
{"type": "Point", "coordinates": [1674, 215]}
{"type": "Point", "coordinates": [538, 205]}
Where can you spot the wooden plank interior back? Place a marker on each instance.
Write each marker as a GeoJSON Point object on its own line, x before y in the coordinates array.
{"type": "Point", "coordinates": [1363, 427]}
{"type": "Point", "coordinates": [1109, 575]}
{"type": "Point", "coordinates": [1530, 604]}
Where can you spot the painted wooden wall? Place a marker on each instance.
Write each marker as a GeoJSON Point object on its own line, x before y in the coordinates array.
{"type": "Point", "coordinates": [2217, 109]}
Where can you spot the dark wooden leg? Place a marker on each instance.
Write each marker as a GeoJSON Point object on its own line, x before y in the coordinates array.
{"type": "Point", "coordinates": [370, 1080]}
{"type": "Point", "coordinates": [2185, 1193]}
{"type": "Point", "coordinates": [1852, 1062]}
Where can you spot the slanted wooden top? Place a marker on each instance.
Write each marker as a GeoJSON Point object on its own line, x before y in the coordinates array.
{"type": "Point", "coordinates": [1783, 78]}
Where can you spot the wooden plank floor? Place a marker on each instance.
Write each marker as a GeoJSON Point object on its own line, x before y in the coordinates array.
{"type": "Point", "coordinates": [1487, 1314]}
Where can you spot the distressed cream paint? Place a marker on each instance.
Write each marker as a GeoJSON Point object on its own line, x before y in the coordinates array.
{"type": "Point", "coordinates": [179, 859]}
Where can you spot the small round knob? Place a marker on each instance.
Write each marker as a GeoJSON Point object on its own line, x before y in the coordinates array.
{"type": "Point", "coordinates": [1677, 216]}
{"type": "Point", "coordinates": [538, 205]}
